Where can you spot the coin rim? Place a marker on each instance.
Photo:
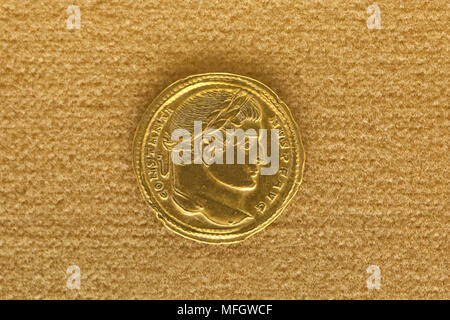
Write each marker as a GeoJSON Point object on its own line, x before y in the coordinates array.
{"type": "Point", "coordinates": [138, 141]}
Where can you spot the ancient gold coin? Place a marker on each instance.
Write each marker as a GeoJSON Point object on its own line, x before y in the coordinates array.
{"type": "Point", "coordinates": [218, 157]}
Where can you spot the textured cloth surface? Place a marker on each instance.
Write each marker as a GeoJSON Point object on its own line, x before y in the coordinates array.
{"type": "Point", "coordinates": [372, 107]}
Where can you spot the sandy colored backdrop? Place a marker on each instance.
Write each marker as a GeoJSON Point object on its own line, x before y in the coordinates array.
{"type": "Point", "coordinates": [372, 106]}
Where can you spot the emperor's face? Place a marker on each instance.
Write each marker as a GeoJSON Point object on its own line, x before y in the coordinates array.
{"type": "Point", "coordinates": [243, 177]}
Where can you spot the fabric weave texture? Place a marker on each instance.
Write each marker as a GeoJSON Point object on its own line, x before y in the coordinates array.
{"type": "Point", "coordinates": [372, 107]}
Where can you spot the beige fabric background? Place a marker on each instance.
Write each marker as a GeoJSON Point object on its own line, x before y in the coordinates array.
{"type": "Point", "coordinates": [372, 106]}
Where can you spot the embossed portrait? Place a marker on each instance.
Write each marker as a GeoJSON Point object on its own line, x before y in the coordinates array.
{"type": "Point", "coordinates": [215, 190]}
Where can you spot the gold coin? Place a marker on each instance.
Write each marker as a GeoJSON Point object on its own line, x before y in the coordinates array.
{"type": "Point", "coordinates": [218, 157]}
